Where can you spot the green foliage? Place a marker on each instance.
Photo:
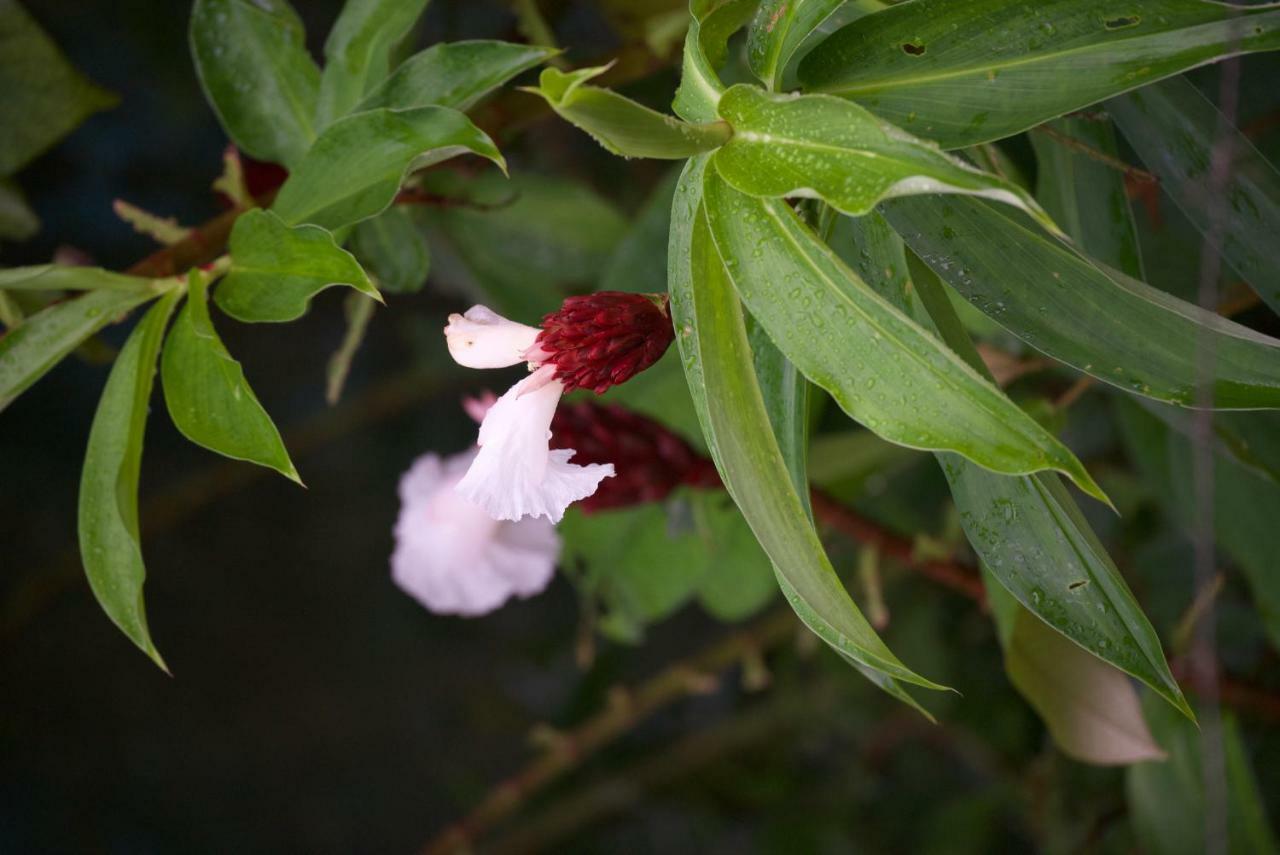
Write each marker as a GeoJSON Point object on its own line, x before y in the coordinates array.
{"type": "Point", "coordinates": [257, 75]}
{"type": "Point", "coordinates": [208, 397]}
{"type": "Point", "coordinates": [456, 75]}
{"type": "Point", "coordinates": [276, 269]}
{"type": "Point", "coordinates": [358, 52]}
{"type": "Point", "coordinates": [109, 542]}
{"type": "Point", "coordinates": [962, 72]}
{"type": "Point", "coordinates": [45, 96]}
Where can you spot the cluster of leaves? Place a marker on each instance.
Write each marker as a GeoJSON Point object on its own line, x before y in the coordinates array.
{"type": "Point", "coordinates": [350, 135]}
{"type": "Point", "coordinates": [842, 243]}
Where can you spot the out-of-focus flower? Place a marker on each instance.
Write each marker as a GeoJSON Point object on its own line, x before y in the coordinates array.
{"type": "Point", "coordinates": [649, 459]}
{"type": "Point", "coordinates": [593, 342]}
{"type": "Point", "coordinates": [455, 558]}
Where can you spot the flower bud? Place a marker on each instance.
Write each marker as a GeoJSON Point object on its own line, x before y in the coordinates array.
{"type": "Point", "coordinates": [603, 339]}
{"type": "Point", "coordinates": [649, 460]}
{"type": "Point", "coordinates": [484, 339]}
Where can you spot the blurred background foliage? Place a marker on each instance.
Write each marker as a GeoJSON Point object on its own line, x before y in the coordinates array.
{"type": "Point", "coordinates": [316, 708]}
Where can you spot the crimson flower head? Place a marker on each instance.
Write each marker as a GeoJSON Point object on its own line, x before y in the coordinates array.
{"type": "Point", "coordinates": [600, 340]}
{"type": "Point", "coordinates": [649, 459]}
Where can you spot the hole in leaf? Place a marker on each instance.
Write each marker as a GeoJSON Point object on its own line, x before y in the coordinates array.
{"type": "Point", "coordinates": [913, 49]}
{"type": "Point", "coordinates": [1122, 23]}
{"type": "Point", "coordinates": [1075, 586]}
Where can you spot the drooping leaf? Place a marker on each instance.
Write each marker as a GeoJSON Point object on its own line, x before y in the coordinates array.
{"type": "Point", "coordinates": [883, 369]}
{"type": "Point", "coordinates": [712, 338]}
{"type": "Point", "coordinates": [713, 23]}
{"type": "Point", "coordinates": [108, 518]}
{"type": "Point", "coordinates": [355, 168]}
{"type": "Point", "coordinates": [963, 72]}
{"type": "Point", "coordinates": [621, 125]}
{"type": "Point", "coordinates": [1174, 129]}
{"type": "Point", "coordinates": [276, 269]}
{"type": "Point", "coordinates": [257, 75]}
{"type": "Point", "coordinates": [1085, 196]}
{"type": "Point", "coordinates": [67, 277]}
{"type": "Point", "coordinates": [1083, 313]}
{"type": "Point", "coordinates": [777, 31]}
{"type": "Point", "coordinates": [358, 52]}
{"type": "Point", "coordinates": [834, 150]}
{"type": "Point", "coordinates": [17, 220]}
{"type": "Point", "coordinates": [1033, 538]}
{"type": "Point", "coordinates": [393, 248]}
{"type": "Point", "coordinates": [43, 339]}
{"type": "Point", "coordinates": [45, 97]}
{"type": "Point", "coordinates": [1091, 709]}
{"type": "Point", "coordinates": [207, 395]}
{"type": "Point", "coordinates": [1167, 799]}
{"type": "Point", "coordinates": [453, 74]}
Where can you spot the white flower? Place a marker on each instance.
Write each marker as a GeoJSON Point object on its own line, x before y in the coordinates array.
{"type": "Point", "coordinates": [484, 339]}
{"type": "Point", "coordinates": [456, 559]}
{"type": "Point", "coordinates": [516, 474]}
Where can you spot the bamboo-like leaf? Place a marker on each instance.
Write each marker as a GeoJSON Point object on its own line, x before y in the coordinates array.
{"type": "Point", "coordinates": [705, 46]}
{"type": "Point", "coordinates": [834, 150]}
{"type": "Point", "coordinates": [257, 75]}
{"type": "Point", "coordinates": [1031, 536]}
{"type": "Point", "coordinates": [355, 168]}
{"type": "Point", "coordinates": [713, 344]}
{"type": "Point", "coordinates": [453, 74]}
{"type": "Point", "coordinates": [67, 277]}
{"type": "Point", "coordinates": [621, 125]}
{"type": "Point", "coordinates": [1083, 313]}
{"type": "Point", "coordinates": [208, 397]}
{"type": "Point", "coordinates": [108, 519]}
{"type": "Point", "coordinates": [963, 72]}
{"type": "Point", "coordinates": [276, 269]}
{"type": "Point", "coordinates": [358, 52]}
{"type": "Point", "coordinates": [779, 28]}
{"type": "Point", "coordinates": [883, 369]}
{"type": "Point", "coordinates": [1174, 129]}
{"type": "Point", "coordinates": [30, 350]}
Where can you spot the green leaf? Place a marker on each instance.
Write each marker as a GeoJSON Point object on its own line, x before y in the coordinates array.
{"type": "Point", "coordinates": [253, 65]}
{"type": "Point", "coordinates": [355, 168]}
{"type": "Point", "coordinates": [780, 26]}
{"type": "Point", "coordinates": [1085, 196]}
{"type": "Point", "coordinates": [45, 97]}
{"type": "Point", "coordinates": [1083, 313]}
{"type": "Point", "coordinates": [713, 344]}
{"type": "Point", "coordinates": [208, 398]}
{"type": "Point", "coordinates": [883, 369]}
{"type": "Point", "coordinates": [1036, 542]}
{"type": "Point", "coordinates": [639, 263]}
{"type": "Point", "coordinates": [1091, 709]}
{"type": "Point", "coordinates": [969, 71]}
{"type": "Point", "coordinates": [43, 339]}
{"type": "Point", "coordinates": [358, 52]}
{"type": "Point", "coordinates": [516, 244]}
{"type": "Point", "coordinates": [738, 580]}
{"type": "Point", "coordinates": [705, 46]}
{"type": "Point", "coordinates": [276, 269]}
{"type": "Point", "coordinates": [621, 125]}
{"type": "Point", "coordinates": [17, 221]}
{"type": "Point", "coordinates": [656, 574]}
{"type": "Point", "coordinates": [454, 74]}
{"type": "Point", "coordinates": [1167, 800]}
{"type": "Point", "coordinates": [67, 277]}
{"type": "Point", "coordinates": [394, 250]}
{"type": "Point", "coordinates": [108, 520]}
{"type": "Point", "coordinates": [822, 147]}
{"type": "Point", "coordinates": [1174, 129]}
